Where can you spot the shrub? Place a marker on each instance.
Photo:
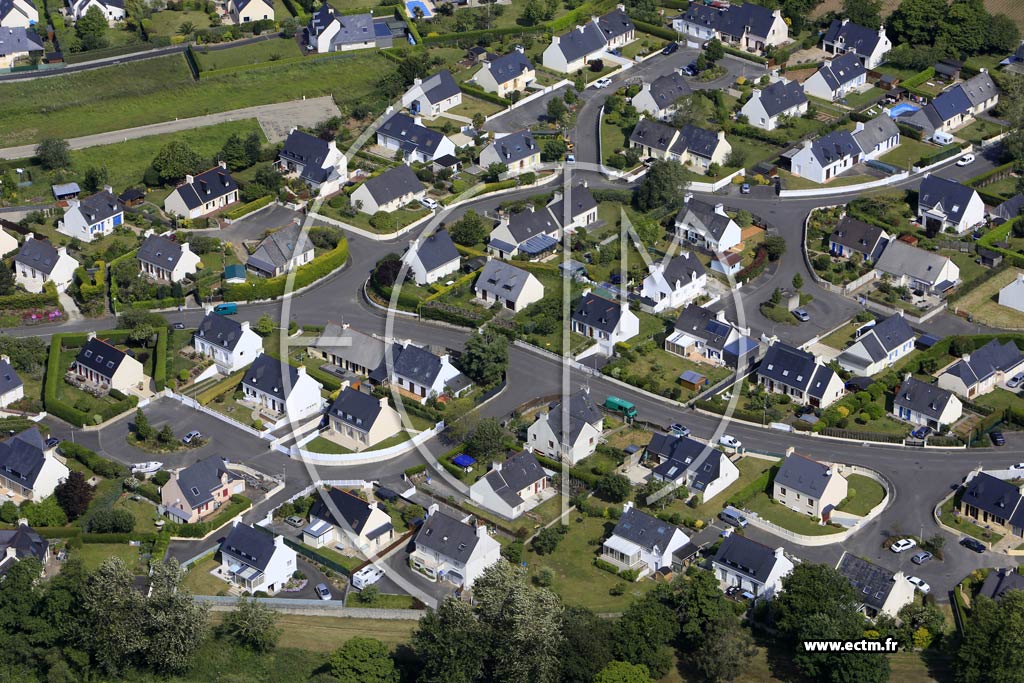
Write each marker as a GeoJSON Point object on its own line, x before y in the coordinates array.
{"type": "Point", "coordinates": [112, 521]}
{"type": "Point", "coordinates": [545, 542]}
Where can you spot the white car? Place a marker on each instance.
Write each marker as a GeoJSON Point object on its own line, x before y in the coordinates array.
{"type": "Point", "coordinates": [730, 441]}
{"type": "Point", "coordinates": [920, 584]}
{"type": "Point", "coordinates": [1015, 381]}
{"type": "Point", "coordinates": [966, 160]}
{"type": "Point", "coordinates": [367, 576]}
{"type": "Point", "coordinates": [903, 545]}
{"type": "Point", "coordinates": [602, 82]}
{"type": "Point", "coordinates": [1018, 466]}
{"type": "Point", "coordinates": [429, 203]}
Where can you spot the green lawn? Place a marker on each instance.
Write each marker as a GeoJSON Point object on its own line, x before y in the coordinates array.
{"type": "Point", "coordinates": [1005, 187]}
{"type": "Point", "coordinates": [1000, 399]}
{"type": "Point", "coordinates": [858, 100]}
{"type": "Point", "coordinates": [93, 555]}
{"type": "Point", "coordinates": [867, 494]}
{"type": "Point", "coordinates": [323, 445]}
{"type": "Point", "coordinates": [200, 581]}
{"type": "Point", "coordinates": [473, 105]}
{"type": "Point", "coordinates": [964, 524]}
{"type": "Point", "coordinates": [752, 151]}
{"type": "Point", "coordinates": [792, 182]}
{"type": "Point", "coordinates": [253, 53]}
{"type": "Point", "coordinates": [969, 270]}
{"type": "Point", "coordinates": [908, 153]}
{"type": "Point", "coordinates": [979, 130]}
{"type": "Point", "coordinates": [842, 337]}
{"type": "Point", "coordinates": [769, 510]}
{"type": "Point", "coordinates": [658, 371]}
{"type": "Point", "coordinates": [166, 22]}
{"type": "Point", "coordinates": [383, 601]}
{"type": "Point", "coordinates": [144, 512]}
{"type": "Point", "coordinates": [750, 469]}
{"type": "Point", "coordinates": [613, 138]}
{"type": "Point", "coordinates": [402, 217]}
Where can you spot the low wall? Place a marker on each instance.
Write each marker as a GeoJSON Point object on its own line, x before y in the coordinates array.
{"type": "Point", "coordinates": [846, 189]}
{"type": "Point", "coordinates": [322, 608]}
{"type": "Point", "coordinates": [363, 457]}
{"type": "Point", "coordinates": [530, 98]}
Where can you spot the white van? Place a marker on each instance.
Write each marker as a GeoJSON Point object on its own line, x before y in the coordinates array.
{"type": "Point", "coordinates": [731, 515]}
{"type": "Point", "coordinates": [942, 137]}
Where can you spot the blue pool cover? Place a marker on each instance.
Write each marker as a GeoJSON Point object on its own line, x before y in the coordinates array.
{"type": "Point", "coordinates": [463, 460]}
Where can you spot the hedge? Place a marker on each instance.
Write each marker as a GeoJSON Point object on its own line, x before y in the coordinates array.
{"type": "Point", "coordinates": [237, 505]}
{"type": "Point", "coordinates": [945, 153]}
{"type": "Point", "coordinates": [401, 13]}
{"type": "Point", "coordinates": [55, 374]}
{"type": "Point", "coordinates": [486, 35]}
{"type": "Point", "coordinates": [148, 489]}
{"type": "Point", "coordinates": [108, 469]}
{"type": "Point", "coordinates": [759, 485]}
{"type": "Point", "coordinates": [744, 55]}
{"type": "Point", "coordinates": [910, 85]}
{"type": "Point", "coordinates": [218, 388]}
{"type": "Point", "coordinates": [482, 94]}
{"type": "Point", "coordinates": [312, 554]}
{"type": "Point", "coordinates": [246, 209]}
{"type": "Point", "coordinates": [621, 196]}
{"type": "Point", "coordinates": [657, 31]}
{"type": "Point", "coordinates": [274, 287]}
{"type": "Point", "coordinates": [145, 537]}
{"type": "Point", "coordinates": [91, 287]}
{"type": "Point", "coordinates": [909, 131]}
{"type": "Point", "coordinates": [70, 531]}
{"type": "Point", "coordinates": [21, 301]}
{"type": "Point", "coordinates": [979, 181]}
{"type": "Point", "coordinates": [160, 360]}
{"type": "Point", "coordinates": [415, 469]}
{"type": "Point", "coordinates": [449, 314]}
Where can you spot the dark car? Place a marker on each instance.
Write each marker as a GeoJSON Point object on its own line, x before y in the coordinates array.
{"type": "Point", "coordinates": [615, 279]}
{"type": "Point", "coordinates": [690, 69]}
{"type": "Point", "coordinates": [52, 443]}
{"type": "Point", "coordinates": [997, 438]}
{"type": "Point", "coordinates": [670, 48]}
{"type": "Point", "coordinates": [973, 544]}
{"type": "Point", "coordinates": [921, 432]}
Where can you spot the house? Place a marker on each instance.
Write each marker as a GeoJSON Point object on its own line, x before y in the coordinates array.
{"type": "Point", "coordinates": [880, 347]}
{"type": "Point", "coordinates": [39, 262]}
{"type": "Point", "coordinates": [706, 336]}
{"type": "Point", "coordinates": [748, 26]}
{"type": "Point", "coordinates": [877, 136]}
{"type": "Point", "coordinates": [507, 286]}
{"type": "Point", "coordinates": [294, 397]}
{"type": "Point", "coordinates": [348, 349]}
{"type": "Point", "coordinates": [852, 236]}
{"type": "Point", "coordinates": [826, 157]}
{"type": "Point", "coordinates": [845, 37]}
{"type": "Point", "coordinates": [927, 405]}
{"type": "Point", "coordinates": [955, 107]}
{"type": "Point", "coordinates": [809, 487]}
{"type": "Point", "coordinates": [1001, 581]}
{"type": "Point", "coordinates": [512, 72]}
{"type": "Point", "coordinates": [28, 469]}
{"type": "Point", "coordinates": [788, 370]}
{"type": "Point", "coordinates": [8, 243]}
{"type": "Point", "coordinates": [658, 98]}
{"type": "Point", "coordinates": [707, 227]}
{"type": "Point", "coordinates": [916, 268]}
{"type": "Point", "coordinates": [984, 369]}
{"type": "Point", "coordinates": [1012, 295]}
{"type": "Point", "coordinates": [406, 136]}
{"type": "Point", "coordinates": [22, 543]}
{"type": "Point", "coordinates": [317, 162]}
{"type": "Point", "coordinates": [572, 51]}
{"type": "Point", "coordinates": [358, 421]}
{"type": "Point", "coordinates": [18, 43]}
{"type": "Point", "coordinates": [18, 14]}
{"type": "Point", "coordinates": [422, 374]}
{"type": "Point", "coordinates": [199, 490]}
{"type": "Point", "coordinates": [768, 106]}
{"type": "Point", "coordinates": [230, 344]}
{"type": "Point", "coordinates": [11, 387]}
{"type": "Point", "coordinates": [102, 364]}
{"type": "Point", "coordinates": [680, 460]}
{"type": "Point", "coordinates": [245, 11]}
{"type": "Point", "coordinates": [945, 205]}
{"type": "Point", "coordinates": [581, 210]}
{"type": "Point", "coordinates": [280, 252]}
{"type": "Point", "coordinates": [606, 322]}
{"type": "Point", "coordinates": [689, 145]}
{"type": "Point", "coordinates": [389, 191]}
{"type": "Point", "coordinates": [112, 10]}
{"type": "Point", "coordinates": [751, 566]}
{"type": "Point", "coordinates": [65, 191]}
{"type": "Point", "coordinates": [447, 549]}
{"type": "Point", "coordinates": [163, 259]}
{"type": "Point", "coordinates": [328, 31]}
{"type": "Point", "coordinates": [879, 590]}
{"type": "Point", "coordinates": [513, 487]}
{"type": "Point", "coordinates": [432, 96]}
{"type": "Point", "coordinates": [203, 194]}
{"type": "Point", "coordinates": [675, 283]}
{"type": "Point", "coordinates": [550, 436]}
{"type": "Point", "coordinates": [1008, 210]}
{"type": "Point", "coordinates": [359, 529]}
{"type": "Point", "coordinates": [643, 544]}
{"type": "Point", "coordinates": [837, 78]}
{"type": "Point", "coordinates": [992, 503]}
{"type": "Point", "coordinates": [617, 28]}
{"type": "Point", "coordinates": [518, 151]}
{"type": "Point", "coordinates": [256, 560]}
{"type": "Point", "coordinates": [535, 232]}
{"type": "Point", "coordinates": [432, 257]}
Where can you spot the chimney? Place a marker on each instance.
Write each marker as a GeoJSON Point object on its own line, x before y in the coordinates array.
{"type": "Point", "coordinates": [417, 81]}
{"type": "Point", "coordinates": [481, 529]}
{"type": "Point", "coordinates": [73, 204]}
{"type": "Point", "coordinates": [278, 541]}
{"type": "Point", "coordinates": [780, 553]}
{"type": "Point", "coordinates": [807, 144]}
{"type": "Point", "coordinates": [858, 127]}
{"type": "Point", "coordinates": [108, 188]}
{"type": "Point", "coordinates": [189, 179]}
{"type": "Point", "coordinates": [721, 135]}
{"type": "Point", "coordinates": [496, 467]}
{"type": "Point", "coordinates": [302, 370]}
{"type": "Point", "coordinates": [720, 208]}
{"type": "Point", "coordinates": [62, 251]}
{"type": "Point", "coordinates": [520, 50]}
{"type": "Point", "coordinates": [432, 510]}
{"type": "Point", "coordinates": [372, 504]}
{"type": "Point", "coordinates": [384, 402]}
{"type": "Point", "coordinates": [687, 197]}
{"type": "Point", "coordinates": [5, 358]}
{"type": "Point", "coordinates": [554, 40]}
{"type": "Point", "coordinates": [627, 506]}
{"type": "Point", "coordinates": [185, 249]}
{"type": "Point", "coordinates": [245, 325]}
{"type": "Point", "coordinates": [30, 236]}
{"type": "Point", "coordinates": [586, 290]}
{"type": "Point", "coordinates": [222, 165]}
{"type": "Point", "coordinates": [11, 553]}
{"type": "Point", "coordinates": [790, 451]}
{"type": "Point", "coordinates": [579, 28]}
{"type": "Point", "coordinates": [586, 183]}
{"type": "Point", "coordinates": [845, 21]}
{"type": "Point", "coordinates": [418, 120]}
{"type": "Point", "coordinates": [23, 521]}
{"type": "Point", "coordinates": [966, 357]}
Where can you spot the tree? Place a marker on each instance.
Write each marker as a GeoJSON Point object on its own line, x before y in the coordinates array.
{"type": "Point", "coordinates": [253, 625]}
{"type": "Point", "coordinates": [92, 29]}
{"type": "Point", "coordinates": [775, 247]}
{"type": "Point", "coordinates": [95, 178]}
{"type": "Point", "coordinates": [734, 647]}
{"type": "Point", "coordinates": [713, 51]}
{"type": "Point", "coordinates": [623, 672]}
{"type": "Point", "coordinates": [234, 153]}
{"type": "Point", "coordinates": [8, 512]}
{"type": "Point", "coordinates": [664, 186]}
{"type": "Point", "coordinates": [547, 539]}
{"type": "Point", "coordinates": [613, 488]}
{"type": "Point", "coordinates": [487, 439]}
{"type": "Point", "coordinates": [485, 357]}
{"type": "Point", "coordinates": [264, 326]}
{"type": "Point", "coordinates": [643, 632]}
{"type": "Point", "coordinates": [44, 513]}
{"type": "Point", "coordinates": [915, 21]}
{"type": "Point", "coordinates": [864, 12]}
{"type": "Point", "coordinates": [385, 273]}
{"type": "Point", "coordinates": [166, 434]}
{"type": "Point", "coordinates": [533, 12]}
{"type": "Point", "coordinates": [175, 160]}
{"type": "Point", "coordinates": [112, 613]}
{"type": "Point", "coordinates": [586, 645]}
{"type": "Point", "coordinates": [143, 430]}
{"type": "Point", "coordinates": [479, 120]}
{"type": "Point", "coordinates": [993, 640]}
{"type": "Point", "coordinates": [699, 603]}
{"type": "Point", "coordinates": [186, 28]}
{"type": "Point", "coordinates": [176, 625]}
{"type": "Point", "coordinates": [449, 644]}
{"type": "Point", "coordinates": [54, 153]}
{"type": "Point", "coordinates": [557, 110]}
{"type": "Point", "coordinates": [469, 230]}
{"type": "Point", "coordinates": [553, 150]}
{"type": "Point", "coordinates": [73, 495]}
{"type": "Point", "coordinates": [964, 30]}
{"type": "Point", "coordinates": [363, 660]}
{"type": "Point", "coordinates": [1003, 34]}
{"type": "Point", "coordinates": [493, 172]}
{"type": "Point", "coordinates": [798, 281]}
{"type": "Point", "coordinates": [115, 521]}
{"type": "Point", "coordinates": [8, 284]}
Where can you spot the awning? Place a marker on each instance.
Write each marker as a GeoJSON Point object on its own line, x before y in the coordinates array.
{"type": "Point", "coordinates": [538, 244]}
{"type": "Point", "coordinates": [623, 546]}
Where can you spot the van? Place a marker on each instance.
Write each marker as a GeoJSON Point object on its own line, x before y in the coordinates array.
{"type": "Point", "coordinates": [731, 515]}
{"type": "Point", "coordinates": [617, 405]}
{"type": "Point", "coordinates": [226, 309]}
{"type": "Point", "coordinates": [942, 137]}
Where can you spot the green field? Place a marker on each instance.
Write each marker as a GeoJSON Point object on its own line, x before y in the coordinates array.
{"type": "Point", "coordinates": [868, 494]}
{"type": "Point", "coordinates": [94, 554]}
{"type": "Point", "coordinates": [166, 22]}
{"type": "Point", "coordinates": [254, 53]}
{"type": "Point", "coordinates": [769, 510]}
{"type": "Point", "coordinates": [908, 153]}
{"type": "Point", "coordinates": [200, 581]}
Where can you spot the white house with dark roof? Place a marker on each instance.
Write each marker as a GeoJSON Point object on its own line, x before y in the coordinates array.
{"type": "Point", "coordinates": [112, 10]}
{"type": "Point", "coordinates": [199, 490]}
{"type": "Point", "coordinates": [909, 266]}
{"type": "Point", "coordinates": [364, 528]}
{"type": "Point", "coordinates": [852, 236]}
{"type": "Point", "coordinates": [318, 163]}
{"type": "Point", "coordinates": [92, 217]}
{"type": "Point", "coordinates": [581, 435]}
{"type": "Point", "coordinates": [581, 211]}
{"type": "Point", "coordinates": [879, 590]}
{"type": "Point", "coordinates": [751, 566]}
{"type": "Point", "coordinates": [837, 78]}
{"type": "Point", "coordinates": [18, 43]}
{"type": "Point", "coordinates": [163, 259]}
{"type": "Point", "coordinates": [955, 107]}
{"type": "Point", "coordinates": [707, 226]}
{"type": "Point", "coordinates": [643, 543]}
{"type": "Point", "coordinates": [349, 349]}
{"type": "Point", "coordinates": [702, 470]}
{"type": "Point", "coordinates": [845, 37]}
{"type": "Point", "coordinates": [880, 347]}
{"type": "Point", "coordinates": [518, 151]}
{"type": "Point", "coordinates": [944, 204]}
{"type": "Point", "coordinates": [203, 194]}
{"type": "Point", "coordinates": [447, 549]}
{"type": "Point", "coordinates": [507, 286]}
{"type": "Point", "coordinates": [11, 387]}
{"type": "Point", "coordinates": [606, 322]}
{"type": "Point", "coordinates": [512, 72]}
{"type": "Point", "coordinates": [39, 262]}
{"type": "Point", "coordinates": [798, 374]}
{"type": "Point", "coordinates": [230, 344]}
{"type": "Point", "coordinates": [707, 336]}
{"type": "Point", "coordinates": [877, 136]}
{"type": "Point", "coordinates": [28, 469]}
{"type": "Point", "coordinates": [417, 143]}
{"type": "Point", "coordinates": [991, 502]}
{"type": "Point", "coordinates": [658, 98]}
{"type": "Point", "coordinates": [573, 50]}
{"type": "Point", "coordinates": [18, 14]}
{"type": "Point", "coordinates": [432, 258]}
{"type": "Point", "coordinates": [108, 367]}
{"type": "Point", "coordinates": [389, 191]}
{"type": "Point", "coordinates": [537, 231]}
{"type": "Point", "coordinates": [22, 543]}
{"type": "Point", "coordinates": [294, 397]}
{"type": "Point", "coordinates": [421, 373]}
{"type": "Point", "coordinates": [926, 405]}
{"type": "Point", "coordinates": [748, 26]}
{"type": "Point", "coordinates": [256, 560]}
{"type": "Point", "coordinates": [809, 487]}
{"type": "Point", "coordinates": [824, 158]}
{"type": "Point", "coordinates": [689, 145]}
{"type": "Point", "coordinates": [513, 487]}
{"type": "Point", "coordinates": [329, 31]}
{"type": "Point", "coordinates": [432, 96]}
{"type": "Point", "coordinates": [280, 252]}
{"type": "Point", "coordinates": [245, 11]}
{"type": "Point", "coordinates": [768, 105]}
{"type": "Point", "coordinates": [675, 283]}
{"type": "Point", "coordinates": [358, 421]}
{"type": "Point", "coordinates": [983, 369]}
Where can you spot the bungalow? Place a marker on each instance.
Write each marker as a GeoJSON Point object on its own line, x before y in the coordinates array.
{"type": "Point", "coordinates": [518, 151]}
{"type": "Point", "coordinates": [507, 286]}
{"type": "Point", "coordinates": [909, 266]}
{"type": "Point", "coordinates": [748, 26]}
{"type": "Point", "coordinates": [28, 468]}
{"type": "Point", "coordinates": [294, 397]}
{"type": "Point", "coordinates": [18, 43]}
{"type": "Point", "coordinates": [355, 527]}
{"type": "Point", "coordinates": [658, 98]}
{"type": "Point", "coordinates": [879, 590]}
{"type": "Point", "coordinates": [432, 96]}
{"type": "Point", "coordinates": [955, 107]}
{"type": "Point", "coordinates": [798, 374]}
{"type": "Point", "coordinates": [826, 157]}
{"type": "Point", "coordinates": [108, 367]}
{"type": "Point", "coordinates": [513, 487]}
{"type": "Point", "coordinates": [389, 191]}
{"type": "Point", "coordinates": [1012, 295]}
{"type": "Point", "coordinates": [358, 421]}
{"type": "Point", "coordinates": [112, 10]}
{"type": "Point", "coordinates": [447, 549]}
{"type": "Point", "coordinates": [245, 11]}
{"type": "Point", "coordinates": [945, 205]}
{"type": "Point", "coordinates": [536, 231]}
{"type": "Point", "coordinates": [22, 543]}
{"type": "Point", "coordinates": [845, 37]}
{"type": "Point", "coordinates": [256, 560]}
{"type": "Point", "coordinates": [808, 486]}
{"type": "Point", "coordinates": [11, 387]}
{"type": "Point", "coordinates": [317, 162]}
{"type": "Point", "coordinates": [751, 566]}
{"type": "Point", "coordinates": [704, 471]}
{"type": "Point", "coordinates": [606, 322]}
{"type": "Point", "coordinates": [705, 335]}
{"type": "Point", "coordinates": [280, 252]}
{"type": "Point", "coordinates": [199, 490]}
{"type": "Point", "coordinates": [926, 404]}
{"type": "Point", "coordinates": [880, 347]}
{"type": "Point", "coordinates": [572, 51]}
{"type": "Point", "coordinates": [423, 374]}
{"type": "Point", "coordinates": [230, 344]}
{"type": "Point", "coordinates": [203, 194]}
{"type": "Point", "coordinates": [432, 257]}
{"type": "Point", "coordinates": [852, 236]}
{"type": "Point", "coordinates": [768, 106]}
{"type": "Point", "coordinates": [39, 262]}
{"type": "Point", "coordinates": [689, 145]}
{"type": "Point", "coordinates": [407, 137]}
{"type": "Point", "coordinates": [992, 503]}
{"type": "Point", "coordinates": [18, 14]}
{"type": "Point", "coordinates": [643, 544]}
{"type": "Point", "coordinates": [512, 72]}
{"type": "Point", "coordinates": [877, 136]}
{"type": "Point", "coordinates": [551, 437]}
{"type": "Point", "coordinates": [328, 31]}
{"type": "Point", "coordinates": [837, 78]}
{"type": "Point", "coordinates": [675, 283]}
{"type": "Point", "coordinates": [349, 349]}
{"type": "Point", "coordinates": [984, 369]}
{"type": "Point", "coordinates": [706, 226]}
{"type": "Point", "coordinates": [163, 259]}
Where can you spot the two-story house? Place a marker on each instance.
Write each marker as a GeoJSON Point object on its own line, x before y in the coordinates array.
{"type": "Point", "coordinates": [203, 194]}
{"type": "Point", "coordinates": [658, 98]}
{"type": "Point", "coordinates": [955, 107]}
{"type": "Point", "coordinates": [112, 10]}
{"type": "Point", "coordinates": [689, 145]}
{"type": "Point", "coordinates": [768, 106]}
{"type": "Point", "coordinates": [92, 217]}
{"type": "Point", "coordinates": [415, 142]}
{"type": "Point", "coordinates": [748, 26]}
{"type": "Point", "coordinates": [944, 204]}
{"type": "Point", "coordinates": [38, 262]}
{"type": "Point", "coordinates": [329, 31]}
{"type": "Point", "coordinates": [571, 436]}
{"type": "Point", "coordinates": [166, 260]}
{"type": "Point", "coordinates": [643, 543]}
{"type": "Point", "coordinates": [432, 257]}
{"type": "Point", "coordinates": [389, 191]}
{"type": "Point", "coordinates": [349, 349]}
{"type": "Point", "coordinates": [606, 322]}
{"type": "Point", "coordinates": [317, 162]}
{"type": "Point", "coordinates": [199, 490]}
{"type": "Point", "coordinates": [513, 487]}
{"type": "Point", "coordinates": [506, 74]}
{"type": "Point", "coordinates": [704, 471]}
{"type": "Point", "coordinates": [824, 158]}
{"type": "Point", "coordinates": [18, 14]}
{"type": "Point", "coordinates": [706, 336]}
{"type": "Point", "coordinates": [809, 487]}
{"type": "Point", "coordinates": [845, 37]}
{"type": "Point", "coordinates": [926, 405]}
{"type": "Point", "coordinates": [447, 549]}
{"type": "Point", "coordinates": [281, 389]}
{"type": "Point", "coordinates": [880, 347]}
{"type": "Point", "coordinates": [230, 344]}
{"type": "Point", "coordinates": [707, 226]}
{"type": "Point", "coordinates": [518, 151]}
{"type": "Point", "coordinates": [798, 374]}
{"type": "Point", "coordinates": [532, 231]}
{"type": "Point", "coordinates": [909, 266]}
{"type": "Point", "coordinates": [675, 283]}
{"type": "Point", "coordinates": [879, 590]}
{"type": "Point", "coordinates": [421, 374]}
{"type": "Point", "coordinates": [353, 526]}
{"type": "Point", "coordinates": [245, 11]}
{"type": "Point", "coordinates": [751, 566]}
{"type": "Point", "coordinates": [507, 286]}
{"type": "Point", "coordinates": [837, 78]}
{"type": "Point", "coordinates": [358, 421]}
{"type": "Point", "coordinates": [105, 366]}
{"type": "Point", "coordinates": [852, 236]}
{"type": "Point", "coordinates": [572, 51]}
{"type": "Point", "coordinates": [433, 95]}
{"type": "Point", "coordinates": [983, 369]}
{"type": "Point", "coordinates": [255, 560]}
{"type": "Point", "coordinates": [12, 389]}
{"type": "Point", "coordinates": [992, 503]}
{"type": "Point", "coordinates": [30, 470]}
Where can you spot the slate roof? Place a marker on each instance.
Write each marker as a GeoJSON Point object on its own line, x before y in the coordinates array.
{"type": "Point", "coordinates": [309, 151]}
{"type": "Point", "coordinates": [159, 251]}
{"type": "Point", "coordinates": [644, 530]}
{"type": "Point", "coordinates": [779, 96]}
{"type": "Point", "coordinates": [701, 322]}
{"type": "Point", "coordinates": [857, 235]}
{"type": "Point", "coordinates": [1011, 208]}
{"type": "Point", "coordinates": [580, 42]}
{"type": "Point", "coordinates": [871, 582]}
{"type": "Point", "coordinates": [1000, 581]}
{"type": "Point", "coordinates": [198, 480]}
{"type": "Point", "coordinates": [842, 70]}
{"type": "Point", "coordinates": [948, 195]}
{"type": "Point", "coordinates": [502, 279]}
{"type": "Point", "coordinates": [680, 454]}
{"type": "Point", "coordinates": [804, 475]}
{"type": "Point", "coordinates": [696, 140]}
{"type": "Point", "coordinates": [878, 129]}
{"type": "Point", "coordinates": [9, 379]}
{"type": "Point", "coordinates": [927, 399]}
{"type": "Point", "coordinates": [22, 457]}
{"type": "Point", "coordinates": [354, 511]}
{"type": "Point", "coordinates": [516, 473]}
{"type": "Point", "coordinates": [669, 88]}
{"type": "Point", "coordinates": [410, 135]}
{"type": "Point", "coordinates": [653, 134]}
{"type": "Point", "coordinates": [440, 87]}
{"type": "Point", "coordinates": [279, 247]}
{"type": "Point", "coordinates": [356, 409]}
{"type": "Point", "coordinates": [992, 495]}
{"type": "Point", "coordinates": [531, 222]}
{"type": "Point", "coordinates": [580, 202]}
{"type": "Point", "coordinates": [515, 147]}
{"type": "Point", "coordinates": [99, 207]}
{"type": "Point", "coordinates": [714, 223]}
{"type": "Point", "coordinates": [352, 28]}
{"type": "Point", "coordinates": [206, 187]}
{"type": "Point", "coordinates": [253, 547]}
{"type": "Point", "coordinates": [25, 542]}
{"type": "Point", "coordinates": [991, 358]}
{"type": "Point", "coordinates": [16, 39]}
{"type": "Point", "coordinates": [979, 88]}
{"type": "Point", "coordinates": [508, 67]}
{"type": "Point", "coordinates": [436, 250]}
{"type": "Point", "coordinates": [394, 183]}
{"type": "Point", "coordinates": [888, 335]}
{"type": "Point", "coordinates": [266, 374]}
{"type": "Point", "coordinates": [682, 266]}
{"type": "Point", "coordinates": [950, 103]}
{"type": "Point", "coordinates": [747, 557]}
{"type": "Point", "coordinates": [734, 21]}
{"type": "Point", "coordinates": [364, 350]}
{"type": "Point", "coordinates": [598, 312]}
{"type": "Point", "coordinates": [788, 365]}
{"type": "Point", "coordinates": [416, 363]}
{"type": "Point", "coordinates": [902, 258]}
{"type": "Point", "coordinates": [100, 357]}
{"type": "Point", "coordinates": [582, 411]}
{"type": "Point", "coordinates": [220, 330]}
{"type": "Point", "coordinates": [830, 148]}
{"type": "Point", "coordinates": [854, 37]}
{"type": "Point", "coordinates": [38, 254]}
{"type": "Point", "coordinates": [447, 536]}
{"type": "Point", "coordinates": [614, 24]}
{"type": "Point", "coordinates": [663, 137]}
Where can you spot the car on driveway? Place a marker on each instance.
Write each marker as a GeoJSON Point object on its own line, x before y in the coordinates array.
{"type": "Point", "coordinates": [367, 576]}
{"type": "Point", "coordinates": [997, 439]}
{"type": "Point", "coordinates": [965, 160]}
{"type": "Point", "coordinates": [972, 544]}
{"type": "Point", "coordinates": [323, 592]}
{"type": "Point", "coordinates": [730, 441]}
{"type": "Point", "coordinates": [921, 557]}
{"type": "Point", "coordinates": [670, 48]}
{"type": "Point", "coordinates": [921, 432]}
{"type": "Point", "coordinates": [745, 188]}
{"type": "Point", "coordinates": [801, 315]}
{"type": "Point", "coordinates": [679, 429]}
{"type": "Point", "coordinates": [295, 521]}
{"type": "Point", "coordinates": [903, 545]}
{"type": "Point", "coordinates": [429, 203]}
{"type": "Point", "coordinates": [191, 436]}
{"type": "Point", "coordinates": [602, 82]}
{"type": "Point", "coordinates": [919, 584]}
{"type": "Point", "coordinates": [1015, 381]}
{"type": "Point", "coordinates": [52, 443]}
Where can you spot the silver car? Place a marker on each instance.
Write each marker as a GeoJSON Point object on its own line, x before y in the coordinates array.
{"type": "Point", "coordinates": [801, 315]}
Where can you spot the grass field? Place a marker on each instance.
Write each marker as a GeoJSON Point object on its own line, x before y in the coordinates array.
{"type": "Point", "coordinates": [908, 153]}
{"type": "Point", "coordinates": [792, 182]}
{"type": "Point", "coordinates": [869, 493]}
{"type": "Point", "coordinates": [659, 371]}
{"type": "Point", "coordinates": [93, 554]}
{"type": "Point", "coordinates": [200, 581]}
{"type": "Point", "coordinates": [796, 522]}
{"type": "Point", "coordinates": [143, 511]}
{"type": "Point", "coordinates": [983, 304]}
{"type": "Point", "coordinates": [473, 105]}
{"type": "Point", "coordinates": [842, 337]}
{"type": "Point", "coordinates": [322, 445]}
{"type": "Point", "coordinates": [979, 130]}
{"type": "Point", "coordinates": [254, 53]}
{"type": "Point", "coordinates": [166, 23]}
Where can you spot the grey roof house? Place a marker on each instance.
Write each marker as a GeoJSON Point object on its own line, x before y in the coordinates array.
{"type": "Point", "coordinates": [513, 487]}
{"type": "Point", "coordinates": [852, 236]}
{"type": "Point", "coordinates": [280, 252]}
{"type": "Point", "coordinates": [389, 191]}
{"type": "Point", "coordinates": [878, 589]}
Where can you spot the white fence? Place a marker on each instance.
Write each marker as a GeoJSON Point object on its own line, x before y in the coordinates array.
{"type": "Point", "coordinates": [846, 189]}
{"type": "Point", "coordinates": [363, 457]}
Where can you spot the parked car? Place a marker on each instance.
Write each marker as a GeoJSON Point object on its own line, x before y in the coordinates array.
{"type": "Point", "coordinates": [973, 544]}
{"type": "Point", "coordinates": [730, 441]}
{"type": "Point", "coordinates": [323, 592]}
{"type": "Point", "coordinates": [570, 158]}
{"type": "Point", "coordinates": [919, 584]}
{"type": "Point", "coordinates": [52, 443]}
{"type": "Point", "coordinates": [670, 48]}
{"type": "Point", "coordinates": [1018, 466]}
{"type": "Point", "coordinates": [229, 308]}
{"type": "Point", "coordinates": [731, 515]}
{"type": "Point", "coordinates": [191, 436]}
{"type": "Point", "coordinates": [997, 438]}
{"type": "Point", "coordinates": [921, 557]}
{"type": "Point", "coordinates": [179, 326]}
{"type": "Point", "coordinates": [367, 576]}
{"type": "Point", "coordinates": [602, 82]}
{"type": "Point", "coordinates": [429, 203]}
{"type": "Point", "coordinates": [679, 430]}
{"type": "Point", "coordinates": [801, 315]}
{"type": "Point", "coordinates": [295, 521]}
{"type": "Point", "coordinates": [1015, 381]}
{"type": "Point", "coordinates": [903, 545]}
{"type": "Point", "coordinates": [745, 188]}
{"type": "Point", "coordinates": [615, 279]}
{"type": "Point", "coordinates": [966, 160]}
{"type": "Point", "coordinates": [690, 69]}
{"type": "Point", "coordinates": [921, 432]}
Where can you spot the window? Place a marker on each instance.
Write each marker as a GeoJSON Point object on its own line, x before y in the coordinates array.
{"type": "Point", "coordinates": [782, 491]}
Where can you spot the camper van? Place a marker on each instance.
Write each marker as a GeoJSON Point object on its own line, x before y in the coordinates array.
{"type": "Point", "coordinates": [942, 137]}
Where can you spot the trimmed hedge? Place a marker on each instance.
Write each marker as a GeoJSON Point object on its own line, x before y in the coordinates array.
{"type": "Point", "coordinates": [759, 485]}
{"type": "Point", "coordinates": [415, 469]}
{"type": "Point", "coordinates": [25, 300]}
{"type": "Point", "coordinates": [312, 554]}
{"type": "Point", "coordinates": [979, 181]}
{"type": "Point", "coordinates": [246, 209]}
{"type": "Point", "coordinates": [945, 153]}
{"type": "Point", "coordinates": [274, 287]}
{"type": "Point", "coordinates": [148, 489]}
{"type": "Point", "coordinates": [744, 55]}
{"type": "Point", "coordinates": [482, 94]}
{"type": "Point", "coordinates": [160, 360]}
{"type": "Point", "coordinates": [91, 287]}
{"type": "Point", "coordinates": [910, 85]}
{"type": "Point", "coordinates": [237, 505]}
{"type": "Point", "coordinates": [55, 374]}
{"type": "Point", "coordinates": [448, 314]}
{"type": "Point", "coordinates": [657, 31]}
{"type": "Point", "coordinates": [909, 131]}
{"type": "Point", "coordinates": [108, 469]}
{"type": "Point", "coordinates": [486, 35]}
{"type": "Point", "coordinates": [621, 196]}
{"type": "Point", "coordinates": [212, 392]}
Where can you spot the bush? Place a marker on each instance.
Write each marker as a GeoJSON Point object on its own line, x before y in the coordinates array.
{"type": "Point", "coordinates": [547, 540]}
{"type": "Point", "coordinates": [117, 521]}
{"type": "Point", "coordinates": [108, 469]}
{"type": "Point", "coordinates": [161, 478]}
{"type": "Point", "coordinates": [246, 209]}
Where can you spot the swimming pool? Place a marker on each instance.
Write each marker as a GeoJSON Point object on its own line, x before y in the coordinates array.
{"type": "Point", "coordinates": [903, 108]}
{"type": "Point", "coordinates": [412, 4]}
